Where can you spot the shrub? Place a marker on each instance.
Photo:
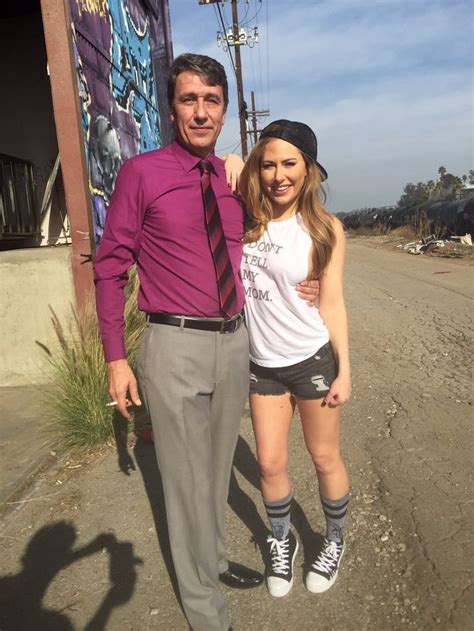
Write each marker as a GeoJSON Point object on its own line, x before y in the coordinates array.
{"type": "Point", "coordinates": [78, 394]}
{"type": "Point", "coordinates": [423, 227]}
{"type": "Point", "coordinates": [406, 232]}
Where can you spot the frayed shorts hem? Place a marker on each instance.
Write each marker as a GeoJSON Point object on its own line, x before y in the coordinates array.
{"type": "Point", "coordinates": [309, 379]}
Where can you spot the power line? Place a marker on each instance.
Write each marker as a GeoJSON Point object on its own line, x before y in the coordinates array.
{"type": "Point", "coordinates": [260, 70]}
{"type": "Point", "coordinates": [238, 35]}
{"type": "Point", "coordinates": [252, 69]}
{"type": "Point", "coordinates": [224, 29]}
{"type": "Point", "coordinates": [233, 147]}
{"type": "Point", "coordinates": [245, 14]}
{"type": "Point", "coordinates": [255, 16]}
{"type": "Point", "coordinates": [268, 54]}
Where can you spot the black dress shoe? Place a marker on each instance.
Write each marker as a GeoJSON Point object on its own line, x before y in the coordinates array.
{"type": "Point", "coordinates": [240, 577]}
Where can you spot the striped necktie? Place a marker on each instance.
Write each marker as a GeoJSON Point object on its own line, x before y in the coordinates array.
{"type": "Point", "coordinates": [218, 245]}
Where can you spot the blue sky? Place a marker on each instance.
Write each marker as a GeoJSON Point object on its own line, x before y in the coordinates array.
{"type": "Point", "coordinates": [387, 85]}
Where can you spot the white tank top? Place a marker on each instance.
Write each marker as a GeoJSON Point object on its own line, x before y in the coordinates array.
{"type": "Point", "coordinates": [283, 329]}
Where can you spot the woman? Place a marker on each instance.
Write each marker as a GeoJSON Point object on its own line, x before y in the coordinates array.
{"type": "Point", "coordinates": [299, 355]}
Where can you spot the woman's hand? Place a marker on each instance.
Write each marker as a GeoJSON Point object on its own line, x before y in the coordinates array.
{"type": "Point", "coordinates": [233, 168]}
{"type": "Point", "coordinates": [339, 392]}
{"type": "Point", "coordinates": [308, 290]}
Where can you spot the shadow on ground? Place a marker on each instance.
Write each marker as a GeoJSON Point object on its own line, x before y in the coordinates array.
{"type": "Point", "coordinates": [246, 463]}
{"type": "Point", "coordinates": [242, 505]}
{"type": "Point", "coordinates": [145, 459]}
{"type": "Point", "coordinates": [50, 550]}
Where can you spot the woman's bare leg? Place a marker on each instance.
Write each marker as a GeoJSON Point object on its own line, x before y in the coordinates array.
{"type": "Point", "coordinates": [321, 429]}
{"type": "Point", "coordinates": [271, 419]}
{"type": "Point", "coordinates": [321, 425]}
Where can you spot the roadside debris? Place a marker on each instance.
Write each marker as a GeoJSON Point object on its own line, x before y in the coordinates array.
{"type": "Point", "coordinates": [464, 239]}
{"type": "Point", "coordinates": [432, 244]}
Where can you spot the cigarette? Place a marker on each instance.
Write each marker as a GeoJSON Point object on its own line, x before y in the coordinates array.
{"type": "Point", "coordinates": [111, 404]}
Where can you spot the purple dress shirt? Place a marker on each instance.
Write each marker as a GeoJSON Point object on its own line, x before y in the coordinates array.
{"type": "Point", "coordinates": [156, 219]}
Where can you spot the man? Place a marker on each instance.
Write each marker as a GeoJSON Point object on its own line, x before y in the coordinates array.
{"type": "Point", "coordinates": [174, 215]}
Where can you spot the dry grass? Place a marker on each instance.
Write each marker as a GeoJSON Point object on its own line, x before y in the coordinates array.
{"type": "Point", "coordinates": [453, 250]}
{"type": "Point", "coordinates": [419, 228]}
{"type": "Point", "coordinates": [404, 232]}
{"type": "Point", "coordinates": [78, 394]}
{"type": "Point", "coordinates": [422, 227]}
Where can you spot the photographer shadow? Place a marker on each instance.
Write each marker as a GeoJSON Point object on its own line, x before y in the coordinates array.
{"type": "Point", "coordinates": [50, 551]}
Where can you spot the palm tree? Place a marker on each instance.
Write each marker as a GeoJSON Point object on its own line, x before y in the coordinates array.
{"type": "Point", "coordinates": [430, 186]}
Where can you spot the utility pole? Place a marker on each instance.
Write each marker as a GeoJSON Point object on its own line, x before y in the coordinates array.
{"type": "Point", "coordinates": [254, 113]}
{"type": "Point", "coordinates": [240, 86]}
{"type": "Point", "coordinates": [236, 37]}
{"type": "Point", "coordinates": [254, 118]}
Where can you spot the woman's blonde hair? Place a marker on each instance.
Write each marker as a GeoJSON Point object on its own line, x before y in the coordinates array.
{"type": "Point", "coordinates": [310, 204]}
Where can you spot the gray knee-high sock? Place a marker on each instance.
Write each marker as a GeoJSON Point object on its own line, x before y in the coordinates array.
{"type": "Point", "coordinates": [335, 512]}
{"type": "Point", "coordinates": [278, 512]}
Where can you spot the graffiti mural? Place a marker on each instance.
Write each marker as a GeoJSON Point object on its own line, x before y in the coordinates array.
{"type": "Point", "coordinates": [115, 73]}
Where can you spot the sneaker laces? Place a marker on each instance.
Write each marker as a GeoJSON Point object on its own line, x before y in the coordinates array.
{"type": "Point", "coordinates": [279, 550]}
{"type": "Point", "coordinates": [328, 557]}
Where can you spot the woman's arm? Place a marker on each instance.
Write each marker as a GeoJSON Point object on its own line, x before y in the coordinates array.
{"type": "Point", "coordinates": [233, 168]}
{"type": "Point", "coordinates": [333, 312]}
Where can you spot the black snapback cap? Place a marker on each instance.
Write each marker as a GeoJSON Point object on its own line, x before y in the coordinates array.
{"type": "Point", "coordinates": [298, 134]}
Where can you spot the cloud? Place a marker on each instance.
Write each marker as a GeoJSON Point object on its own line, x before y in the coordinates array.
{"type": "Point", "coordinates": [387, 85]}
{"type": "Point", "coordinates": [306, 48]}
{"type": "Point", "coordinates": [373, 146]}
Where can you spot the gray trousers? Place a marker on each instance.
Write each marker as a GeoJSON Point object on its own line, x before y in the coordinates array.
{"type": "Point", "coordinates": [194, 384]}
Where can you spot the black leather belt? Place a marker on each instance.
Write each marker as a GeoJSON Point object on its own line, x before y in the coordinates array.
{"type": "Point", "coordinates": [202, 324]}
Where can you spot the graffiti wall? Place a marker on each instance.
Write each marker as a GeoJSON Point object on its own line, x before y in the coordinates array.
{"type": "Point", "coordinates": [116, 69]}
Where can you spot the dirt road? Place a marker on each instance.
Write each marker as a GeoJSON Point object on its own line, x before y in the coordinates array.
{"type": "Point", "coordinates": [408, 441]}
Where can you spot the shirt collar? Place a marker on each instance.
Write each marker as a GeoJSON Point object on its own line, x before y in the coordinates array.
{"type": "Point", "coordinates": [189, 160]}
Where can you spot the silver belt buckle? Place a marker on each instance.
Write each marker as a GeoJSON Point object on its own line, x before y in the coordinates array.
{"type": "Point", "coordinates": [221, 330]}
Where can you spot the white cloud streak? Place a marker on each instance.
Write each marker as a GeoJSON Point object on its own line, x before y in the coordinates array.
{"type": "Point", "coordinates": [386, 84]}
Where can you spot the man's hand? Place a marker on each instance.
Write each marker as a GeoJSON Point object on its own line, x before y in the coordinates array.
{"type": "Point", "coordinates": [121, 381]}
{"type": "Point", "coordinates": [309, 290]}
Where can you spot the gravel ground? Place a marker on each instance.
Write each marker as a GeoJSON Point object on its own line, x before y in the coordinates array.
{"type": "Point", "coordinates": [85, 546]}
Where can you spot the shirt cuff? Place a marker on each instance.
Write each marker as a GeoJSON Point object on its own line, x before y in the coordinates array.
{"type": "Point", "coordinates": [114, 350]}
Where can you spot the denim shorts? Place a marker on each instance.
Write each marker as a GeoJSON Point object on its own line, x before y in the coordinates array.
{"type": "Point", "coordinates": [309, 379]}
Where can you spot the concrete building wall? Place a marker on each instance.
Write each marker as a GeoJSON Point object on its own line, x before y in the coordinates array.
{"type": "Point", "coordinates": [32, 279]}
{"type": "Point", "coordinates": [27, 129]}
{"type": "Point", "coordinates": [71, 109]}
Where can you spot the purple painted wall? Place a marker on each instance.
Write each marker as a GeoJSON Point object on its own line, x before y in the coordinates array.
{"type": "Point", "coordinates": [123, 51]}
